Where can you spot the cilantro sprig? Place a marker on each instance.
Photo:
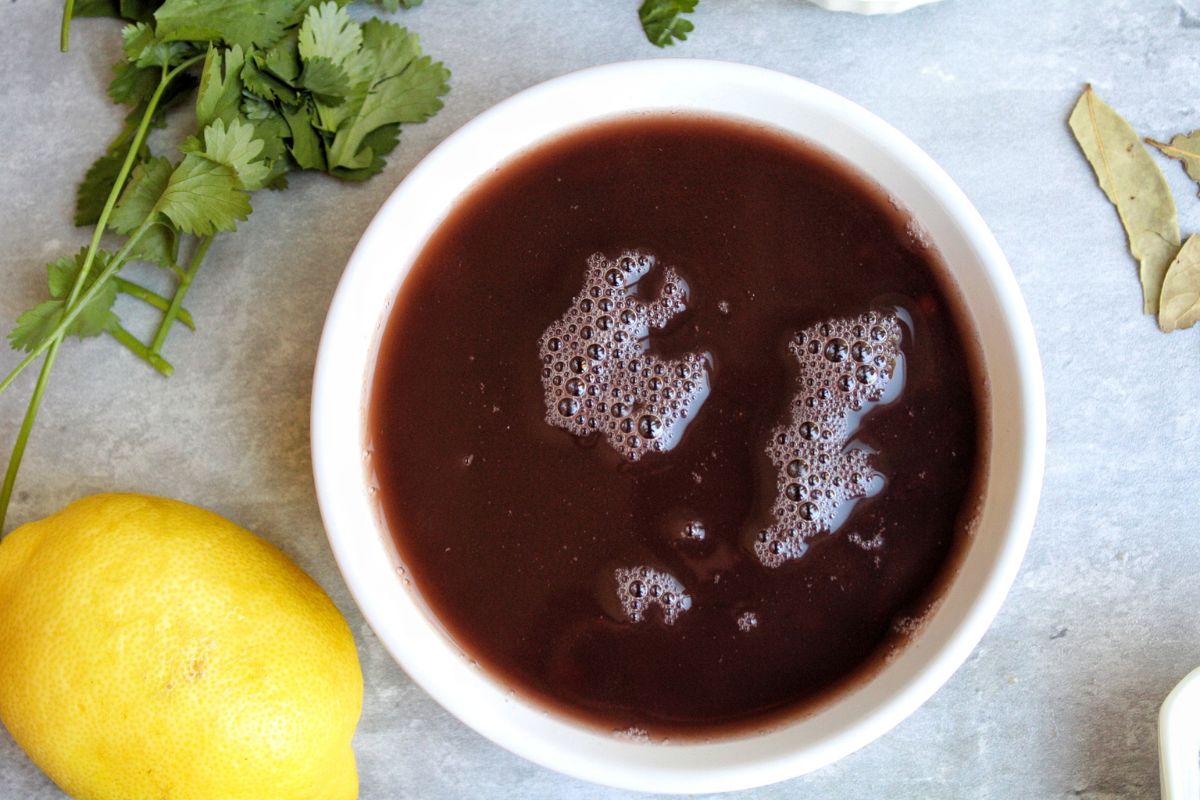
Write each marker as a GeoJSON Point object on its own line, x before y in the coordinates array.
{"type": "Point", "coordinates": [279, 85]}
{"type": "Point", "coordinates": [663, 21]}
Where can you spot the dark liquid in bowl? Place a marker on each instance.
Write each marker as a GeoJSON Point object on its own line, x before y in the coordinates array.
{"type": "Point", "coordinates": [723, 558]}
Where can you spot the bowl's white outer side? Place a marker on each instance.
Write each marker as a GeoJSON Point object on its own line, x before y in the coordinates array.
{"type": "Point", "coordinates": [360, 308]}
{"type": "Point", "coordinates": [1179, 740]}
{"type": "Point", "coordinates": [871, 6]}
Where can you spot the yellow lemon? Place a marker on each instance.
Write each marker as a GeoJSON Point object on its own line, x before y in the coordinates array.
{"type": "Point", "coordinates": [152, 650]}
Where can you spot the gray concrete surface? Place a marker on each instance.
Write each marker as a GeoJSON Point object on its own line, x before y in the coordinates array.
{"type": "Point", "coordinates": [1060, 698]}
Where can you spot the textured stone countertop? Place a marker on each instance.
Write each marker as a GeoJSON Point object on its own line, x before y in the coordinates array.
{"type": "Point", "coordinates": [1060, 698]}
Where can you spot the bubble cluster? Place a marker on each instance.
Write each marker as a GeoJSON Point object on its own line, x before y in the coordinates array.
{"type": "Point", "coordinates": [640, 588]}
{"type": "Point", "coordinates": [633, 734]}
{"type": "Point", "coordinates": [747, 622]}
{"type": "Point", "coordinates": [597, 376]}
{"type": "Point", "coordinates": [845, 364]}
{"type": "Point", "coordinates": [874, 543]}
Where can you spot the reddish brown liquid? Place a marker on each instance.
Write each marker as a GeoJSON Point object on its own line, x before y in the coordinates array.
{"type": "Point", "coordinates": [512, 529]}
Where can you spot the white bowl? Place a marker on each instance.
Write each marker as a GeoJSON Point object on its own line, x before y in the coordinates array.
{"type": "Point", "coordinates": [871, 6]}
{"type": "Point", "coordinates": [360, 310]}
{"type": "Point", "coordinates": [1179, 740]}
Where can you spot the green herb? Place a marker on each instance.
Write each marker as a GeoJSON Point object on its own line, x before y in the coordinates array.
{"type": "Point", "coordinates": [1135, 185]}
{"type": "Point", "coordinates": [279, 85]}
{"type": "Point", "coordinates": [396, 5]}
{"type": "Point", "coordinates": [663, 21]}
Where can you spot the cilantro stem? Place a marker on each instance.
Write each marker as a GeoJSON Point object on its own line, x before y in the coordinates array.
{"type": "Point", "coordinates": [134, 345]}
{"type": "Point", "coordinates": [76, 304]}
{"type": "Point", "coordinates": [50, 346]}
{"type": "Point", "coordinates": [72, 306]}
{"type": "Point", "coordinates": [126, 167]}
{"type": "Point", "coordinates": [64, 33]}
{"type": "Point", "coordinates": [153, 299]}
{"type": "Point", "coordinates": [185, 282]}
{"type": "Point", "coordinates": [18, 451]}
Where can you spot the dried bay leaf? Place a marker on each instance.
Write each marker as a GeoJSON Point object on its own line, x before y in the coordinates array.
{"type": "Point", "coordinates": [1135, 185]}
{"type": "Point", "coordinates": [1185, 149]}
{"type": "Point", "coordinates": [1180, 304]}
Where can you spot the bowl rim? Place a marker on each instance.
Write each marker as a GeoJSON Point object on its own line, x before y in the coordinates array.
{"type": "Point", "coordinates": [415, 641]}
{"type": "Point", "coordinates": [871, 6]}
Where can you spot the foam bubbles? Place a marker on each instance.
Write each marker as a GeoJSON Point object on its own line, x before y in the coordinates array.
{"type": "Point", "coordinates": [598, 376]}
{"type": "Point", "coordinates": [640, 588]}
{"type": "Point", "coordinates": [845, 365]}
{"type": "Point", "coordinates": [633, 734]}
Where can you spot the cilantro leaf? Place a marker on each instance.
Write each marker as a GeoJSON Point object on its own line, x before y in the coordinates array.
{"type": "Point", "coordinates": [236, 148]}
{"type": "Point", "coordinates": [266, 86]}
{"type": "Point", "coordinates": [92, 192]}
{"type": "Point", "coordinates": [200, 196]}
{"type": "Point", "coordinates": [38, 323]}
{"type": "Point", "coordinates": [330, 46]}
{"type": "Point", "coordinates": [272, 131]}
{"type": "Point", "coordinates": [220, 89]}
{"type": "Point", "coordinates": [96, 8]}
{"type": "Point", "coordinates": [131, 84]}
{"type": "Point", "coordinates": [256, 109]}
{"type": "Point", "coordinates": [158, 246]}
{"type": "Point", "coordinates": [392, 6]}
{"type": "Point", "coordinates": [61, 274]}
{"type": "Point", "coordinates": [159, 243]}
{"type": "Point", "coordinates": [146, 185]}
{"type": "Point", "coordinates": [306, 148]}
{"type": "Point", "coordinates": [132, 10]}
{"type": "Point", "coordinates": [253, 150]}
{"type": "Point", "coordinates": [328, 32]}
{"type": "Point", "coordinates": [203, 197]}
{"type": "Point", "coordinates": [378, 143]}
{"type": "Point", "coordinates": [35, 325]}
{"type": "Point", "coordinates": [139, 10]}
{"type": "Point", "coordinates": [244, 22]}
{"type": "Point", "coordinates": [327, 80]}
{"type": "Point", "coordinates": [662, 20]}
{"type": "Point", "coordinates": [269, 126]}
{"type": "Point", "coordinates": [404, 86]}
{"type": "Point", "coordinates": [97, 315]}
{"type": "Point", "coordinates": [144, 49]}
{"type": "Point", "coordinates": [283, 58]}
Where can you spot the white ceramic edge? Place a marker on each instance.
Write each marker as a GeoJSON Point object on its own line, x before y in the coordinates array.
{"type": "Point", "coordinates": [1179, 740]}
{"type": "Point", "coordinates": [368, 564]}
{"type": "Point", "coordinates": [871, 6]}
